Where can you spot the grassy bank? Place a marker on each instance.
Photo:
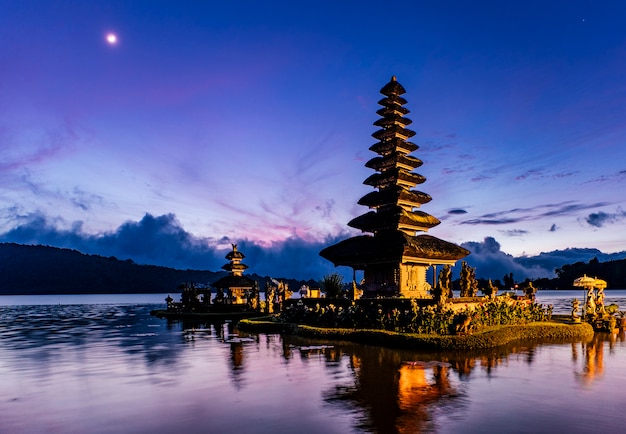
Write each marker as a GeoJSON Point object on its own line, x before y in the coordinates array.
{"type": "Point", "coordinates": [487, 338]}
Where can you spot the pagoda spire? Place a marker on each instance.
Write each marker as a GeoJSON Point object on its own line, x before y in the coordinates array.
{"type": "Point", "coordinates": [394, 201]}
{"type": "Point", "coordinates": [394, 260]}
{"type": "Point", "coordinates": [235, 267]}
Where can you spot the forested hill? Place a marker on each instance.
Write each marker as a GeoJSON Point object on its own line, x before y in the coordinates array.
{"type": "Point", "coordinates": [614, 272]}
{"type": "Point", "coordinates": [50, 270]}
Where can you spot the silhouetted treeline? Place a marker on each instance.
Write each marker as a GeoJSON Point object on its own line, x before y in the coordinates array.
{"type": "Point", "coordinates": [50, 270]}
{"type": "Point", "coordinates": [614, 272]}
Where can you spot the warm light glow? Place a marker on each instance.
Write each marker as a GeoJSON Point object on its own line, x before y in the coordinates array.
{"type": "Point", "coordinates": [111, 38]}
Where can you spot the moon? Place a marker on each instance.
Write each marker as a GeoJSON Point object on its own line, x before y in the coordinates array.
{"type": "Point", "coordinates": [111, 38]}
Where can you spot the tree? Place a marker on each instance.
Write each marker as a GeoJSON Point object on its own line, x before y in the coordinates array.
{"type": "Point", "coordinates": [509, 282]}
{"type": "Point", "coordinates": [333, 285]}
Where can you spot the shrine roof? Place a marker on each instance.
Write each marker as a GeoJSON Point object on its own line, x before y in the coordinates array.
{"type": "Point", "coordinates": [393, 87]}
{"type": "Point", "coordinates": [231, 281]}
{"type": "Point", "coordinates": [392, 132]}
{"type": "Point", "coordinates": [390, 247]}
{"type": "Point", "coordinates": [393, 196]}
{"type": "Point", "coordinates": [230, 267]}
{"type": "Point", "coordinates": [392, 176]}
{"type": "Point", "coordinates": [393, 159]}
{"type": "Point", "coordinates": [393, 144]}
{"type": "Point", "coordinates": [390, 219]}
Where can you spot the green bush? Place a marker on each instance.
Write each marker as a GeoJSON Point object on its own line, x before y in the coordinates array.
{"type": "Point", "coordinates": [407, 317]}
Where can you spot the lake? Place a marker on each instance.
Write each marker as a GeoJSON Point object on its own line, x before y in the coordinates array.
{"type": "Point", "coordinates": [102, 364]}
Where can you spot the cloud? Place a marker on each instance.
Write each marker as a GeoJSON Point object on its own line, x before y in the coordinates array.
{"type": "Point", "coordinates": [492, 263]}
{"type": "Point", "coordinates": [554, 228]}
{"type": "Point", "coordinates": [26, 144]}
{"type": "Point", "coordinates": [531, 173]}
{"type": "Point", "coordinates": [515, 232]}
{"type": "Point", "coordinates": [160, 240]}
{"type": "Point", "coordinates": [612, 178]}
{"type": "Point", "coordinates": [457, 211]}
{"type": "Point", "coordinates": [601, 218]}
{"type": "Point", "coordinates": [517, 215]}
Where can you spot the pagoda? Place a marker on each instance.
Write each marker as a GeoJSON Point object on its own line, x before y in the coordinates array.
{"type": "Point", "coordinates": [394, 259]}
{"type": "Point", "coordinates": [235, 287]}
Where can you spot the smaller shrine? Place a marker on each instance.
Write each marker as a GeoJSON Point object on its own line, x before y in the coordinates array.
{"type": "Point", "coordinates": [234, 288]}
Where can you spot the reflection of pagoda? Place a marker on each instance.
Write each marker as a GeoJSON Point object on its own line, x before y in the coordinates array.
{"type": "Point", "coordinates": [394, 260]}
{"type": "Point", "coordinates": [235, 285]}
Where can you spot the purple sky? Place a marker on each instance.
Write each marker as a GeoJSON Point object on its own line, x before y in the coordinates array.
{"type": "Point", "coordinates": [251, 120]}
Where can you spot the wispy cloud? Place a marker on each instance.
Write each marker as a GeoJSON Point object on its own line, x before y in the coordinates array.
{"type": "Point", "coordinates": [25, 145]}
{"type": "Point", "coordinates": [517, 215]}
{"type": "Point", "coordinates": [619, 176]}
{"type": "Point", "coordinates": [514, 233]}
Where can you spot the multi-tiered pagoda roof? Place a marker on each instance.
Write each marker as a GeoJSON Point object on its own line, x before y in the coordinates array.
{"type": "Point", "coordinates": [235, 270]}
{"type": "Point", "coordinates": [394, 218]}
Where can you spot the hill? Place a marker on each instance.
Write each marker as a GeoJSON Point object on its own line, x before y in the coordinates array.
{"type": "Point", "coordinates": [614, 272]}
{"type": "Point", "coordinates": [28, 269]}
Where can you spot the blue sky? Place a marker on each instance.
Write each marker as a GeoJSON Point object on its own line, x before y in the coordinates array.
{"type": "Point", "coordinates": [250, 122]}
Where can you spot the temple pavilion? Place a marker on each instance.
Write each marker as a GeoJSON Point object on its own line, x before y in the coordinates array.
{"type": "Point", "coordinates": [233, 288]}
{"type": "Point", "coordinates": [393, 258]}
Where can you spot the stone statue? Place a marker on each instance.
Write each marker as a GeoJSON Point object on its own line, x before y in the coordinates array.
{"type": "Point", "coordinates": [463, 324]}
{"type": "Point", "coordinates": [600, 302]}
{"type": "Point", "coordinates": [575, 306]}
{"type": "Point", "coordinates": [445, 282]}
{"type": "Point", "coordinates": [270, 295]}
{"type": "Point", "coordinates": [590, 306]}
{"type": "Point", "coordinates": [254, 297]}
{"type": "Point", "coordinates": [492, 290]}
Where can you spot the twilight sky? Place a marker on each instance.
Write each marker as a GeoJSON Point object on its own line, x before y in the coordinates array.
{"type": "Point", "coordinates": [250, 121]}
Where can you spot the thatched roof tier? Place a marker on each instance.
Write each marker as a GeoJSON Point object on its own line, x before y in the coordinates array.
{"type": "Point", "coordinates": [396, 144]}
{"type": "Point", "coordinates": [392, 246]}
{"type": "Point", "coordinates": [393, 88]}
{"type": "Point", "coordinates": [231, 281]}
{"type": "Point", "coordinates": [234, 267]}
{"type": "Point", "coordinates": [393, 218]}
{"type": "Point", "coordinates": [395, 195]}
{"type": "Point", "coordinates": [235, 254]}
{"type": "Point", "coordinates": [387, 111]}
{"type": "Point", "coordinates": [392, 101]}
{"type": "Point", "coordinates": [392, 119]}
{"type": "Point", "coordinates": [394, 131]}
{"type": "Point", "coordinates": [393, 160]}
{"type": "Point", "coordinates": [394, 177]}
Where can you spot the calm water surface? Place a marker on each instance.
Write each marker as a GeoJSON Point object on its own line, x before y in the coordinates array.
{"type": "Point", "coordinates": [102, 364]}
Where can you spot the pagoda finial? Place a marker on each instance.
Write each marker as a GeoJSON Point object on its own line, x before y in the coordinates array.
{"type": "Point", "coordinates": [393, 78]}
{"type": "Point", "coordinates": [234, 247]}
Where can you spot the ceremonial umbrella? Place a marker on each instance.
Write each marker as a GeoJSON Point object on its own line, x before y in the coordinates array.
{"type": "Point", "coordinates": [585, 281]}
{"type": "Point", "coordinates": [600, 284]}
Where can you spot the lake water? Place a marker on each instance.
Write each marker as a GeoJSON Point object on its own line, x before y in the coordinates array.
{"type": "Point", "coordinates": [102, 364]}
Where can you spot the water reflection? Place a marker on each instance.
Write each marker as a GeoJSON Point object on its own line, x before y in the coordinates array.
{"type": "Point", "coordinates": [593, 353]}
{"type": "Point", "coordinates": [105, 368]}
{"type": "Point", "coordinates": [402, 391]}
